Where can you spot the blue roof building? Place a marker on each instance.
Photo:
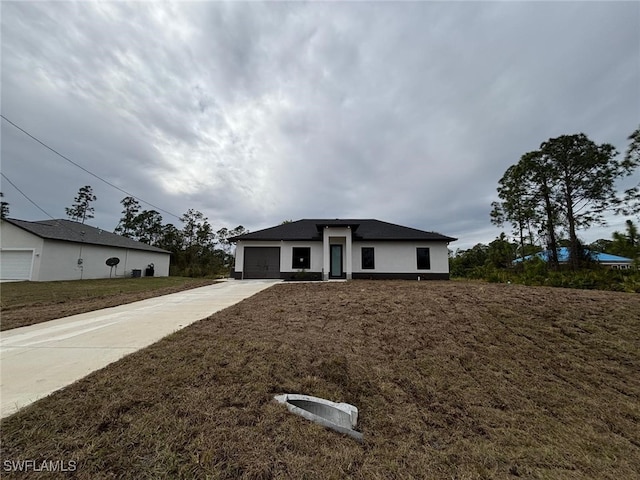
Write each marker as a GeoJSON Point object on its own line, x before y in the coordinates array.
{"type": "Point", "coordinates": [605, 259]}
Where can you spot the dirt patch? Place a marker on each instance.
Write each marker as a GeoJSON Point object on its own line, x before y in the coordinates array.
{"type": "Point", "coordinates": [452, 379]}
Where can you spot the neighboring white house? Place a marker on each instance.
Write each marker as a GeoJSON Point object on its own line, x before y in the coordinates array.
{"type": "Point", "coordinates": [333, 249]}
{"type": "Point", "coordinates": [66, 250]}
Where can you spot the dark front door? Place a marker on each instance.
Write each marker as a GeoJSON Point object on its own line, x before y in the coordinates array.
{"type": "Point", "coordinates": [335, 262]}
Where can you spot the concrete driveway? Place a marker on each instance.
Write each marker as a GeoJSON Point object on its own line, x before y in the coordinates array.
{"type": "Point", "coordinates": [39, 359]}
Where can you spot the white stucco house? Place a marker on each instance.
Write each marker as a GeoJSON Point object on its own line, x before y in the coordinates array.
{"type": "Point", "coordinates": [65, 250]}
{"type": "Point", "coordinates": [342, 249]}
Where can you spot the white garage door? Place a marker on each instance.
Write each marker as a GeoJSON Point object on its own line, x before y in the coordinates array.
{"type": "Point", "coordinates": [15, 264]}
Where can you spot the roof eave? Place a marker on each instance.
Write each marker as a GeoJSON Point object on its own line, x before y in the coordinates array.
{"type": "Point", "coordinates": [355, 239]}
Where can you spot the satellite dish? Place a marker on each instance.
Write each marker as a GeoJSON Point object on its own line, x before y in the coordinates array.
{"type": "Point", "coordinates": [113, 261]}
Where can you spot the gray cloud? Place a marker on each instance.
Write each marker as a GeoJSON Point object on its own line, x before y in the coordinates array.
{"type": "Point", "coordinates": [257, 112]}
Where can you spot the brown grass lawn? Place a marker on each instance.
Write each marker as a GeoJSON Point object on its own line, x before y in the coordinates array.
{"type": "Point", "coordinates": [27, 303]}
{"type": "Point", "coordinates": [452, 379]}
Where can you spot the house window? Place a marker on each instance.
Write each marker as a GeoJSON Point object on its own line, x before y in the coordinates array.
{"type": "Point", "coordinates": [301, 257]}
{"type": "Point", "coordinates": [424, 260]}
{"type": "Point", "coordinates": [368, 259]}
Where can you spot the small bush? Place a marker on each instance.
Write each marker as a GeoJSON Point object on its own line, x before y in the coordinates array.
{"type": "Point", "coordinates": [303, 275]}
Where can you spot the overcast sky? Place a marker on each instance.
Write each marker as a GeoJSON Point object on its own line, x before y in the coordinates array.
{"type": "Point", "coordinates": [254, 113]}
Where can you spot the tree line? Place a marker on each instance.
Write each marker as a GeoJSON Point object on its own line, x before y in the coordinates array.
{"type": "Point", "coordinates": [566, 185]}
{"type": "Point", "coordinates": [546, 197]}
{"type": "Point", "coordinates": [495, 263]}
{"type": "Point", "coordinates": [484, 260]}
{"type": "Point", "coordinates": [196, 249]}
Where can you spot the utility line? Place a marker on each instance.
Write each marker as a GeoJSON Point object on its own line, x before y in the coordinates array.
{"type": "Point", "coordinates": [35, 204]}
{"type": "Point", "coordinates": [26, 196]}
{"type": "Point", "coordinates": [84, 169]}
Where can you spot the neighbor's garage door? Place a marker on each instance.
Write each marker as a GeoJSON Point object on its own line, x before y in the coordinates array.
{"type": "Point", "coordinates": [15, 264]}
{"type": "Point", "coordinates": [261, 262]}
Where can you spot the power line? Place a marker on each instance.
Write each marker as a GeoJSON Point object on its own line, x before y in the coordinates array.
{"type": "Point", "coordinates": [84, 169]}
{"type": "Point", "coordinates": [26, 196]}
{"type": "Point", "coordinates": [35, 204]}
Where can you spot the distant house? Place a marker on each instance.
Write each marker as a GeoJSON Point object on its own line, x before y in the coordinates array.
{"type": "Point", "coordinates": [66, 250]}
{"type": "Point", "coordinates": [605, 259]}
{"type": "Point", "coordinates": [335, 249]}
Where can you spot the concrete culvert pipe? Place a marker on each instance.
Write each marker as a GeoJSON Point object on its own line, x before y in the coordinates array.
{"type": "Point", "coordinates": [341, 417]}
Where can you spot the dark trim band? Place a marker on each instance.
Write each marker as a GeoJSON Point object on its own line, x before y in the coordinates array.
{"type": "Point", "coordinates": [316, 276]}
{"type": "Point", "coordinates": [400, 276]}
{"type": "Point", "coordinates": [288, 276]}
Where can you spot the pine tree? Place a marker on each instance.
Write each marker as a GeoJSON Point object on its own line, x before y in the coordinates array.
{"type": "Point", "coordinates": [4, 206]}
{"type": "Point", "coordinates": [82, 209]}
{"type": "Point", "coordinates": [127, 225]}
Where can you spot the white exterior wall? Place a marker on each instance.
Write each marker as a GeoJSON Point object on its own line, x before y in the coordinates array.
{"type": "Point", "coordinates": [390, 256]}
{"type": "Point", "coordinates": [286, 254]}
{"type": "Point", "coordinates": [59, 261]}
{"type": "Point", "coordinates": [400, 257]}
{"type": "Point", "coordinates": [14, 238]}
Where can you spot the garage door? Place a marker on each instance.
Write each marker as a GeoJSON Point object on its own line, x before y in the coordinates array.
{"type": "Point", "coordinates": [15, 264]}
{"type": "Point", "coordinates": [261, 262]}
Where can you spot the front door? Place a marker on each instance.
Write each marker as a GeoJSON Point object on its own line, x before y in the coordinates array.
{"type": "Point", "coordinates": [335, 261]}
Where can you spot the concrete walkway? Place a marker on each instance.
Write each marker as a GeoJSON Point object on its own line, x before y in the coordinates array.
{"type": "Point", "coordinates": [39, 359]}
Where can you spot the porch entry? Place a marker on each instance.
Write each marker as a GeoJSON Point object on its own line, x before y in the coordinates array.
{"type": "Point", "coordinates": [335, 262]}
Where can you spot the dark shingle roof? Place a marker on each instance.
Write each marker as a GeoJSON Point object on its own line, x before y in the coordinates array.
{"type": "Point", "coordinates": [68, 231]}
{"type": "Point", "coordinates": [363, 229]}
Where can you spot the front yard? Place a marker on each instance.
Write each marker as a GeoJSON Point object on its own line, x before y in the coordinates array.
{"type": "Point", "coordinates": [27, 303]}
{"type": "Point", "coordinates": [452, 379]}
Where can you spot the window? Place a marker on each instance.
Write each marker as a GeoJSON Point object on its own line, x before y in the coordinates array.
{"type": "Point", "coordinates": [301, 257]}
{"type": "Point", "coordinates": [424, 261]}
{"type": "Point", "coordinates": [368, 259]}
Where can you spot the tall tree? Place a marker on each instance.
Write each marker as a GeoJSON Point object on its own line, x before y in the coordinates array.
{"type": "Point", "coordinates": [517, 205]}
{"type": "Point", "coordinates": [631, 200]}
{"type": "Point", "coordinates": [627, 243]}
{"type": "Point", "coordinates": [584, 175]}
{"type": "Point", "coordinates": [192, 220]}
{"type": "Point", "coordinates": [198, 237]}
{"type": "Point", "coordinates": [205, 236]}
{"type": "Point", "coordinates": [148, 227]}
{"type": "Point", "coordinates": [127, 225]}
{"type": "Point", "coordinates": [170, 239]}
{"type": "Point", "coordinates": [197, 231]}
{"type": "Point", "coordinates": [4, 206]}
{"type": "Point", "coordinates": [541, 177]}
{"type": "Point", "coordinates": [602, 245]}
{"type": "Point", "coordinates": [82, 209]}
{"type": "Point", "coordinates": [568, 184]}
{"type": "Point", "coordinates": [224, 234]}
{"type": "Point", "coordinates": [526, 202]}
{"type": "Point", "coordinates": [501, 252]}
